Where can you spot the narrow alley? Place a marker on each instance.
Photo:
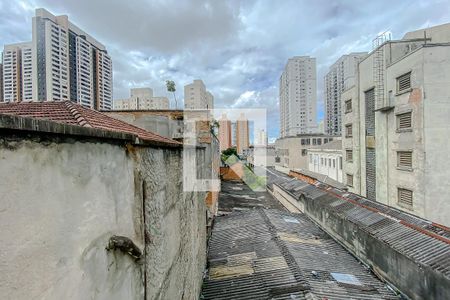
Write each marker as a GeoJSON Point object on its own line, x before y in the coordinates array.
{"type": "Point", "coordinates": [259, 250]}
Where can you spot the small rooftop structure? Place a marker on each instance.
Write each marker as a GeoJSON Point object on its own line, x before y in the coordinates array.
{"type": "Point", "coordinates": [67, 112]}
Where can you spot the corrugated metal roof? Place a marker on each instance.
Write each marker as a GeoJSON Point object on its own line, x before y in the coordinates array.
{"type": "Point", "coordinates": [274, 254]}
{"type": "Point", "coordinates": [421, 240]}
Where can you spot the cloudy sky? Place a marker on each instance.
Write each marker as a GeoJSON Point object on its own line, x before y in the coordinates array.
{"type": "Point", "coordinates": [238, 48]}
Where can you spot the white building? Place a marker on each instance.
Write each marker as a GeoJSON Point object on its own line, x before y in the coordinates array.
{"type": "Point", "coordinates": [141, 99]}
{"type": "Point", "coordinates": [327, 160]}
{"type": "Point", "coordinates": [261, 138]}
{"type": "Point", "coordinates": [17, 72]}
{"type": "Point", "coordinates": [340, 77]}
{"type": "Point", "coordinates": [197, 97]}
{"type": "Point", "coordinates": [396, 120]}
{"type": "Point", "coordinates": [292, 152]}
{"type": "Point", "coordinates": [69, 64]}
{"type": "Point", "coordinates": [298, 97]}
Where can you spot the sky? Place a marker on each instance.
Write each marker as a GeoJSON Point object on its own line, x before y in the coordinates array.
{"type": "Point", "coordinates": [238, 48]}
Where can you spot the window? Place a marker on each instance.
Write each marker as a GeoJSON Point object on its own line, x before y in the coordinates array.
{"type": "Point", "coordinates": [340, 163]}
{"type": "Point", "coordinates": [404, 159]}
{"type": "Point", "coordinates": [321, 161]}
{"type": "Point", "coordinates": [334, 163]}
{"type": "Point", "coordinates": [319, 141]}
{"type": "Point", "coordinates": [329, 162]}
{"type": "Point", "coordinates": [405, 197]}
{"type": "Point", "coordinates": [348, 131]}
{"type": "Point", "coordinates": [349, 180]}
{"type": "Point", "coordinates": [325, 141]}
{"type": "Point", "coordinates": [404, 121]}
{"type": "Point", "coordinates": [348, 106]}
{"type": "Point", "coordinates": [404, 82]}
{"type": "Point", "coordinates": [304, 152]}
{"type": "Point", "coordinates": [314, 141]}
{"type": "Point", "coordinates": [349, 155]}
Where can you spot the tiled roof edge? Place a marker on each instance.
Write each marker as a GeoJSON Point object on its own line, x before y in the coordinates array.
{"type": "Point", "coordinates": [76, 114]}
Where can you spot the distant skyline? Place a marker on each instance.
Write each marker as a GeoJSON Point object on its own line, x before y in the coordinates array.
{"type": "Point", "coordinates": [238, 48]}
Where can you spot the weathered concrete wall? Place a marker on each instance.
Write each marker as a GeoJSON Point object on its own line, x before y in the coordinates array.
{"type": "Point", "coordinates": [63, 198]}
{"type": "Point", "coordinates": [416, 280]}
{"type": "Point", "coordinates": [175, 227]}
{"type": "Point", "coordinates": [60, 204]}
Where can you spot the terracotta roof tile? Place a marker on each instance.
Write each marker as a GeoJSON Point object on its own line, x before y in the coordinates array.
{"type": "Point", "coordinates": [70, 113]}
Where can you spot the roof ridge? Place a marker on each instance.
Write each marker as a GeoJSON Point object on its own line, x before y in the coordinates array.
{"type": "Point", "coordinates": [81, 120]}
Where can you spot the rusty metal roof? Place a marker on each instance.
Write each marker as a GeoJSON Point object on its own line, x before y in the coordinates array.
{"type": "Point", "coordinates": [425, 242]}
{"type": "Point", "coordinates": [274, 254]}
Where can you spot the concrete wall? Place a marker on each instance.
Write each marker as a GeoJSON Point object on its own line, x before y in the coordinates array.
{"type": "Point", "coordinates": [416, 280]}
{"type": "Point", "coordinates": [64, 197]}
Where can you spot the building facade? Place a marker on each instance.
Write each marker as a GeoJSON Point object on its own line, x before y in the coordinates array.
{"type": "Point", "coordinates": [327, 160]}
{"type": "Point", "coordinates": [396, 124]}
{"type": "Point", "coordinates": [68, 63]}
{"type": "Point", "coordinates": [1, 82]}
{"type": "Point", "coordinates": [141, 99]}
{"type": "Point", "coordinates": [242, 134]}
{"type": "Point", "coordinates": [17, 72]}
{"type": "Point", "coordinates": [298, 97]}
{"type": "Point", "coordinates": [340, 76]}
{"type": "Point", "coordinates": [292, 152]}
{"type": "Point", "coordinates": [197, 97]}
{"type": "Point", "coordinates": [224, 133]}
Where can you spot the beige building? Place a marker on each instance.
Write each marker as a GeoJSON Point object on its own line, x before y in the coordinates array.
{"type": "Point", "coordinates": [224, 133]}
{"type": "Point", "coordinates": [340, 76]}
{"type": "Point", "coordinates": [197, 97]}
{"type": "Point", "coordinates": [298, 97]}
{"type": "Point", "coordinates": [68, 63]}
{"type": "Point", "coordinates": [395, 141]}
{"type": "Point", "coordinates": [292, 152]}
{"type": "Point", "coordinates": [17, 72]}
{"type": "Point", "coordinates": [141, 99]}
{"type": "Point", "coordinates": [242, 134]}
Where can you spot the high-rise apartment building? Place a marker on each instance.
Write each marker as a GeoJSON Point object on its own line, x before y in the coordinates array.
{"type": "Point", "coordinates": [224, 134]}
{"type": "Point", "coordinates": [340, 77]}
{"type": "Point", "coordinates": [141, 99]}
{"type": "Point", "coordinates": [396, 128]}
{"type": "Point", "coordinates": [69, 64]}
{"type": "Point", "coordinates": [298, 97]}
{"type": "Point", "coordinates": [242, 134]}
{"type": "Point", "coordinates": [17, 72]}
{"type": "Point", "coordinates": [197, 97]}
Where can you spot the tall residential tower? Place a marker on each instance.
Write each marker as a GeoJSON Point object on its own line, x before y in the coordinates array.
{"type": "Point", "coordinates": [17, 72]}
{"type": "Point", "coordinates": [340, 77]}
{"type": "Point", "coordinates": [298, 97]}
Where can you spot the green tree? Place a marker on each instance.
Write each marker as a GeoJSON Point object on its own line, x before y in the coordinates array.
{"type": "Point", "coordinates": [170, 84]}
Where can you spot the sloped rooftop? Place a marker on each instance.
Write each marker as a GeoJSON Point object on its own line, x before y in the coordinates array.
{"type": "Point", "coordinates": [274, 254]}
{"type": "Point", "coordinates": [67, 112]}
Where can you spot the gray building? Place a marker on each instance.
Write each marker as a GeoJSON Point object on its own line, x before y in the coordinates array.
{"type": "Point", "coordinates": [69, 64]}
{"type": "Point", "coordinates": [395, 117]}
{"type": "Point", "coordinates": [298, 97]}
{"type": "Point", "coordinates": [340, 76]}
{"type": "Point", "coordinates": [1, 82]}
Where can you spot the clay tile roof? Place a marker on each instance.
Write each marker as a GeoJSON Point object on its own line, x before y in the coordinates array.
{"type": "Point", "coordinates": [70, 113]}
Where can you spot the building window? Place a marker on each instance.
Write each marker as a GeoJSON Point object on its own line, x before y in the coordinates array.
{"type": "Point", "coordinates": [349, 180]}
{"type": "Point", "coordinates": [334, 163]}
{"type": "Point", "coordinates": [303, 141]}
{"type": "Point", "coordinates": [321, 161]}
{"type": "Point", "coordinates": [404, 159]}
{"type": "Point", "coordinates": [349, 155]}
{"type": "Point", "coordinates": [404, 121]}
{"type": "Point", "coordinates": [325, 141]}
{"type": "Point", "coordinates": [348, 131]}
{"type": "Point", "coordinates": [348, 106]}
{"type": "Point", "coordinates": [340, 163]}
{"type": "Point", "coordinates": [329, 162]}
{"type": "Point", "coordinates": [404, 82]}
{"type": "Point", "coordinates": [304, 152]}
{"type": "Point", "coordinates": [319, 141]}
{"type": "Point", "coordinates": [314, 141]}
{"type": "Point", "coordinates": [405, 197]}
